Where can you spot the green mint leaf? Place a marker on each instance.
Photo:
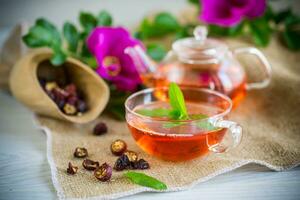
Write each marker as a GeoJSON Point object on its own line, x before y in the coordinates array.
{"type": "Point", "coordinates": [177, 102]}
{"type": "Point", "coordinates": [71, 35]}
{"type": "Point", "coordinates": [156, 51]}
{"type": "Point", "coordinates": [261, 31]}
{"type": "Point", "coordinates": [172, 124]}
{"type": "Point", "coordinates": [206, 126]}
{"type": "Point", "coordinates": [87, 21]}
{"type": "Point", "coordinates": [158, 112]}
{"type": "Point", "coordinates": [104, 19]}
{"type": "Point", "coordinates": [145, 180]}
{"type": "Point", "coordinates": [192, 117]}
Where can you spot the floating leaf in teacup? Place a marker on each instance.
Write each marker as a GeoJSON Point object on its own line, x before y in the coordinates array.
{"type": "Point", "coordinates": [158, 112]}
{"type": "Point", "coordinates": [178, 111]}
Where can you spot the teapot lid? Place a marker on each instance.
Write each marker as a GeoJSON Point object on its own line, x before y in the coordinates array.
{"type": "Point", "coordinates": [199, 49]}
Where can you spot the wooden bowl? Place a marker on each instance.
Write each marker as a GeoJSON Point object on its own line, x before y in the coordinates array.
{"type": "Point", "coordinates": [25, 86]}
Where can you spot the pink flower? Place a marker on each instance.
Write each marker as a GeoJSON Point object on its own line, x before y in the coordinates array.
{"type": "Point", "coordinates": [107, 44]}
{"type": "Point", "coordinates": [230, 12]}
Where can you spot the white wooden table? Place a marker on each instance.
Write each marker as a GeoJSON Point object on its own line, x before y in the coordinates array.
{"type": "Point", "coordinates": [24, 170]}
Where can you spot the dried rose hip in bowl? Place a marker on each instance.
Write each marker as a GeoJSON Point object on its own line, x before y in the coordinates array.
{"type": "Point", "coordinates": [80, 152]}
{"type": "Point", "coordinates": [100, 128]}
{"type": "Point", "coordinates": [103, 173]}
{"type": "Point", "coordinates": [66, 97]}
{"type": "Point", "coordinates": [90, 164]}
{"type": "Point", "coordinates": [118, 147]}
{"type": "Point", "coordinates": [72, 169]}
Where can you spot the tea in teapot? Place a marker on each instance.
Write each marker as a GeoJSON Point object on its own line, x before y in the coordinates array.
{"type": "Point", "coordinates": [201, 62]}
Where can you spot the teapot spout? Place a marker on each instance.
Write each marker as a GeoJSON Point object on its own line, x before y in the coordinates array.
{"type": "Point", "coordinates": [143, 63]}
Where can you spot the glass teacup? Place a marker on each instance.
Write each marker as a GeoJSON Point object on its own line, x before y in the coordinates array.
{"type": "Point", "coordinates": [179, 140]}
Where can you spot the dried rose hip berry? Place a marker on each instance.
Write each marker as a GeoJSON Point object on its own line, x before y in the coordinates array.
{"type": "Point", "coordinates": [71, 89]}
{"type": "Point", "coordinates": [50, 86]}
{"type": "Point", "coordinates": [60, 93]}
{"type": "Point", "coordinates": [141, 164]}
{"type": "Point", "coordinates": [118, 147]}
{"type": "Point", "coordinates": [69, 109]}
{"type": "Point", "coordinates": [103, 173]}
{"type": "Point", "coordinates": [72, 169]}
{"type": "Point", "coordinates": [122, 163]}
{"type": "Point", "coordinates": [90, 164]}
{"type": "Point", "coordinates": [132, 156]}
{"type": "Point", "coordinates": [100, 128]}
{"type": "Point", "coordinates": [81, 106]}
{"type": "Point", "coordinates": [72, 100]}
{"type": "Point", "coordinates": [80, 152]}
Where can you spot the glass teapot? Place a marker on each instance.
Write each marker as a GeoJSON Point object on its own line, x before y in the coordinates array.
{"type": "Point", "coordinates": [201, 62]}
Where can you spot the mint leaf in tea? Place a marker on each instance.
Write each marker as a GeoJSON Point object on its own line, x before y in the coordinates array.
{"type": "Point", "coordinates": [176, 109]}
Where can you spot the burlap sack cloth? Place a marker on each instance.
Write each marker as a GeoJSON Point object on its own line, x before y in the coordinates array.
{"type": "Point", "coordinates": [270, 120]}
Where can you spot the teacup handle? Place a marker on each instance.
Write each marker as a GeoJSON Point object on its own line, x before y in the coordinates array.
{"type": "Point", "coordinates": [235, 130]}
{"type": "Point", "coordinates": [265, 63]}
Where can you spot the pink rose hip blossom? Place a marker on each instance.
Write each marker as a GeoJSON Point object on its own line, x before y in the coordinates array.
{"type": "Point", "coordinates": [107, 44]}
{"type": "Point", "coordinates": [230, 12]}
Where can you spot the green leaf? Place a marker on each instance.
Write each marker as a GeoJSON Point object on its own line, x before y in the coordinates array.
{"type": "Point", "coordinates": [163, 23]}
{"type": "Point", "coordinates": [166, 22]}
{"type": "Point", "coordinates": [45, 34]}
{"type": "Point", "coordinates": [71, 35]}
{"type": "Point", "coordinates": [291, 33]}
{"type": "Point", "coordinates": [145, 180]}
{"type": "Point", "coordinates": [87, 21]}
{"type": "Point", "coordinates": [104, 19]}
{"type": "Point", "coordinates": [58, 58]}
{"type": "Point", "coordinates": [192, 117]}
{"type": "Point", "coordinates": [236, 30]}
{"type": "Point", "coordinates": [233, 31]}
{"type": "Point", "coordinates": [38, 37]}
{"type": "Point", "coordinates": [51, 28]}
{"type": "Point", "coordinates": [261, 31]}
{"type": "Point", "coordinates": [196, 2]}
{"type": "Point", "coordinates": [184, 31]}
{"type": "Point", "coordinates": [156, 51]}
{"type": "Point", "coordinates": [177, 101]}
{"type": "Point", "coordinates": [90, 61]}
{"type": "Point", "coordinates": [206, 126]}
{"type": "Point", "coordinates": [283, 15]}
{"type": "Point", "coordinates": [215, 30]}
{"type": "Point", "coordinates": [158, 112]}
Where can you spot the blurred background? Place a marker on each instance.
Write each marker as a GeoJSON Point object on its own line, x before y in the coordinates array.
{"type": "Point", "coordinates": [125, 12]}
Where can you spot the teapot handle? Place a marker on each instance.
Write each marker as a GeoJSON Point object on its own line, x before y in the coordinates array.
{"type": "Point", "coordinates": [265, 63]}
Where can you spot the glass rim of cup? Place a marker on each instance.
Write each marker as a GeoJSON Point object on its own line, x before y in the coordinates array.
{"type": "Point", "coordinates": [151, 90]}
